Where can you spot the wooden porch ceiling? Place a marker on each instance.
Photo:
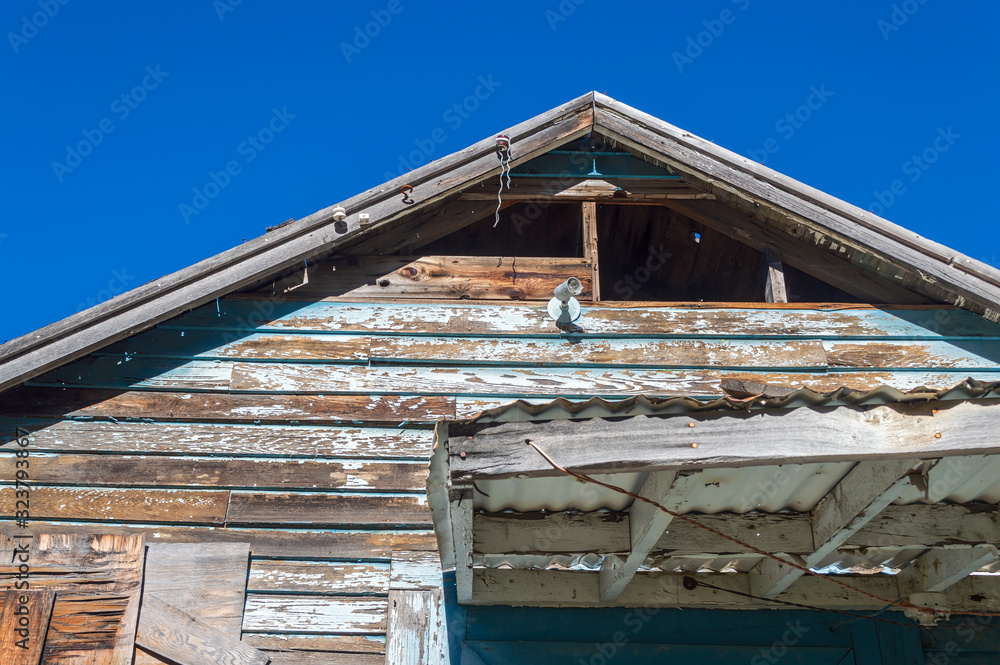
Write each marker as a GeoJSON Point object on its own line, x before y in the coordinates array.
{"type": "Point", "coordinates": [907, 460]}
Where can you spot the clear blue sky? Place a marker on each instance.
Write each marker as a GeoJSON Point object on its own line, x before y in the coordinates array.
{"type": "Point", "coordinates": [183, 87]}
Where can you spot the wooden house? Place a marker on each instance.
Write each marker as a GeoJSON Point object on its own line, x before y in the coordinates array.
{"type": "Point", "coordinates": [789, 403]}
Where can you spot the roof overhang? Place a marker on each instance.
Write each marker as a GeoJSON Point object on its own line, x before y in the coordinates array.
{"type": "Point", "coordinates": [907, 486]}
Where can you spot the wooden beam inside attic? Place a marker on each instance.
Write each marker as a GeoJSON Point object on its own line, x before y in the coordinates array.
{"type": "Point", "coordinates": [647, 523]}
{"type": "Point", "coordinates": [856, 500]}
{"type": "Point", "coordinates": [774, 280]}
{"type": "Point", "coordinates": [618, 191]}
{"type": "Point", "coordinates": [590, 246]}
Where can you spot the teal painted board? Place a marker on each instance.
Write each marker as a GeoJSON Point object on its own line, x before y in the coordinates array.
{"type": "Point", "coordinates": [596, 653]}
{"type": "Point", "coordinates": [312, 378]}
{"type": "Point", "coordinates": [964, 634]}
{"type": "Point", "coordinates": [515, 319]}
{"type": "Point", "coordinates": [960, 658]}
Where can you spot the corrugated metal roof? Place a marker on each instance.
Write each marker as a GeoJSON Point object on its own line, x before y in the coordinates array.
{"type": "Point", "coordinates": [642, 405]}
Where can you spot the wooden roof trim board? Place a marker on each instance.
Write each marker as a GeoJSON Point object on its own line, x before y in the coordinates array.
{"type": "Point", "coordinates": [965, 282]}
{"type": "Point", "coordinates": [970, 279]}
{"type": "Point", "coordinates": [152, 303]}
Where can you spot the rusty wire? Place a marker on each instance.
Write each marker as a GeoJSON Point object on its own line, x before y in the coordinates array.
{"type": "Point", "coordinates": [904, 604]}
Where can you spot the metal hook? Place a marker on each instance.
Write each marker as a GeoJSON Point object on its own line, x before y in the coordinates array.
{"type": "Point", "coordinates": [406, 190]}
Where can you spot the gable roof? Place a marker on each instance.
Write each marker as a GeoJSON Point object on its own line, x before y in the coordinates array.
{"type": "Point", "coordinates": [791, 212]}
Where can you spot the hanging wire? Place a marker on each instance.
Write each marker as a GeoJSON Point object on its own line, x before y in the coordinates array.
{"type": "Point", "coordinates": [905, 604]}
{"type": "Point", "coordinates": [505, 153]}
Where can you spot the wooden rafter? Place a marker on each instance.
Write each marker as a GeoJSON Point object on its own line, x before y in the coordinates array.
{"type": "Point", "coordinates": [856, 500]}
{"type": "Point", "coordinates": [646, 523]}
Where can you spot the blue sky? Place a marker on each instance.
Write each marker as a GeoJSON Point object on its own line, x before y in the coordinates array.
{"type": "Point", "coordinates": [117, 114]}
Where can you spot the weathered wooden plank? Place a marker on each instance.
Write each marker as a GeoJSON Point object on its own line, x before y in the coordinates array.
{"type": "Point", "coordinates": [314, 614]}
{"type": "Point", "coordinates": [208, 407]}
{"type": "Point", "coordinates": [153, 471]}
{"type": "Point", "coordinates": [317, 508]}
{"type": "Point", "coordinates": [551, 588]}
{"type": "Point", "coordinates": [605, 319]}
{"type": "Point", "coordinates": [323, 658]}
{"type": "Point", "coordinates": [114, 371]}
{"type": "Point", "coordinates": [636, 352]}
{"type": "Point", "coordinates": [333, 644]}
{"type": "Point", "coordinates": [24, 620]}
{"type": "Point", "coordinates": [206, 581]}
{"type": "Point", "coordinates": [129, 505]}
{"type": "Point", "coordinates": [444, 277]}
{"type": "Point", "coordinates": [91, 628]}
{"type": "Point", "coordinates": [787, 436]}
{"type": "Point", "coordinates": [97, 579]}
{"type": "Point", "coordinates": [148, 305]}
{"type": "Point", "coordinates": [632, 352]}
{"type": "Point", "coordinates": [417, 628]}
{"type": "Point", "coordinates": [276, 542]}
{"type": "Point", "coordinates": [563, 382]}
{"type": "Point", "coordinates": [965, 354]}
{"type": "Point", "coordinates": [49, 435]}
{"type": "Point", "coordinates": [415, 571]}
{"type": "Point", "coordinates": [221, 344]}
{"type": "Point", "coordinates": [550, 533]}
{"type": "Point", "coordinates": [323, 577]}
{"type": "Point", "coordinates": [176, 636]}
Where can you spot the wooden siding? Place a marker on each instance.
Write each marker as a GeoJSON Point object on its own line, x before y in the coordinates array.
{"type": "Point", "coordinates": [304, 428]}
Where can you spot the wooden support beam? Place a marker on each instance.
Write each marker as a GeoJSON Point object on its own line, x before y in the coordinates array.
{"type": "Point", "coordinates": [559, 588]}
{"type": "Point", "coordinates": [647, 524]}
{"type": "Point", "coordinates": [621, 191]}
{"type": "Point", "coordinates": [856, 500]}
{"type": "Point", "coordinates": [758, 438]}
{"type": "Point", "coordinates": [417, 630]}
{"type": "Point", "coordinates": [939, 569]}
{"type": "Point", "coordinates": [461, 513]}
{"type": "Point", "coordinates": [590, 246]}
{"type": "Point", "coordinates": [913, 526]}
{"type": "Point", "coordinates": [774, 284]}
